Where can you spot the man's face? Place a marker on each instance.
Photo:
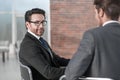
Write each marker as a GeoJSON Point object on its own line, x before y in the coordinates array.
{"type": "Point", "coordinates": [36, 24]}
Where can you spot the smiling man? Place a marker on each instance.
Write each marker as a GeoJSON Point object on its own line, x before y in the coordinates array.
{"type": "Point", "coordinates": [35, 51]}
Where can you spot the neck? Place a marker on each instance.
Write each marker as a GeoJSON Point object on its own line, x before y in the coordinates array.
{"type": "Point", "coordinates": [105, 18]}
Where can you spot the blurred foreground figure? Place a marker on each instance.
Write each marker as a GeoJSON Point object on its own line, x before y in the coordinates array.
{"type": "Point", "coordinates": [99, 52]}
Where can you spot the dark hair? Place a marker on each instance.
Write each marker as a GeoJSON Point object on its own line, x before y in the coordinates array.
{"type": "Point", "coordinates": [110, 7]}
{"type": "Point", "coordinates": [33, 11]}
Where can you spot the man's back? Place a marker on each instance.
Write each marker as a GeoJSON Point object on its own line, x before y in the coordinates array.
{"type": "Point", "coordinates": [107, 52]}
{"type": "Point", "coordinates": [99, 50]}
{"type": "Point", "coordinates": [98, 54]}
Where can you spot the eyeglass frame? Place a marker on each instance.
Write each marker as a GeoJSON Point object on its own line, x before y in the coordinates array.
{"type": "Point", "coordinates": [38, 23]}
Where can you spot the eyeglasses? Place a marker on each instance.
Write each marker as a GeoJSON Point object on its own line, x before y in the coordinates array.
{"type": "Point", "coordinates": [38, 23]}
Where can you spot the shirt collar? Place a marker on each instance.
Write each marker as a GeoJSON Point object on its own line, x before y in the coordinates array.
{"type": "Point", "coordinates": [33, 34]}
{"type": "Point", "coordinates": [111, 21]}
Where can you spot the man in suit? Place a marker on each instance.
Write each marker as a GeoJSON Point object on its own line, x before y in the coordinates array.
{"type": "Point", "coordinates": [35, 51]}
{"type": "Point", "coordinates": [99, 52]}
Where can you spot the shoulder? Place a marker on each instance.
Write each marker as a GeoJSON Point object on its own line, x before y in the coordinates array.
{"type": "Point", "coordinates": [29, 40]}
{"type": "Point", "coordinates": [92, 34]}
{"type": "Point", "coordinates": [94, 31]}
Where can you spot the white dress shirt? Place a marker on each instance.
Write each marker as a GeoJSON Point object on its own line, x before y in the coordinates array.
{"type": "Point", "coordinates": [33, 34]}
{"type": "Point", "coordinates": [111, 21]}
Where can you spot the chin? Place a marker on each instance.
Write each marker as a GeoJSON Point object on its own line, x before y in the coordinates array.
{"type": "Point", "coordinates": [40, 34]}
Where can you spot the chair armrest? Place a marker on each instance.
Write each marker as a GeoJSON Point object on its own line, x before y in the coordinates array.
{"type": "Point", "coordinates": [94, 78]}
{"type": "Point", "coordinates": [62, 77]}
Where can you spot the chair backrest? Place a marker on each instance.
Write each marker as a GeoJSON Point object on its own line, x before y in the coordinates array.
{"type": "Point", "coordinates": [26, 73]}
{"type": "Point", "coordinates": [94, 78]}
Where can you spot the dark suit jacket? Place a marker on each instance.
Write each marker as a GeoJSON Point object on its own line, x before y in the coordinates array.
{"type": "Point", "coordinates": [34, 55]}
{"type": "Point", "coordinates": [98, 54]}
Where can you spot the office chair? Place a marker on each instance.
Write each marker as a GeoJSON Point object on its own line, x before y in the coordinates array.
{"type": "Point", "coordinates": [62, 77]}
{"type": "Point", "coordinates": [94, 78]}
{"type": "Point", "coordinates": [26, 73]}
{"type": "Point", "coordinates": [86, 78]}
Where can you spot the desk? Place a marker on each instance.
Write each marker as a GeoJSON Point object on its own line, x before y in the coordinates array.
{"type": "Point", "coordinates": [3, 50]}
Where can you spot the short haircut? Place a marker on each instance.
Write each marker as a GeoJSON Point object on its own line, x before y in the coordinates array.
{"type": "Point", "coordinates": [110, 7]}
{"type": "Point", "coordinates": [33, 11]}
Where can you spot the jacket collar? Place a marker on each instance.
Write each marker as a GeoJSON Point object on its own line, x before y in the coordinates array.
{"type": "Point", "coordinates": [33, 34]}
{"type": "Point", "coordinates": [111, 21]}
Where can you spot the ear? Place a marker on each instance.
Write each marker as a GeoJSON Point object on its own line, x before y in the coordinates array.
{"type": "Point", "coordinates": [27, 24]}
{"type": "Point", "coordinates": [101, 12]}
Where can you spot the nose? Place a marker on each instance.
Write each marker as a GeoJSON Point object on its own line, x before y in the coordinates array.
{"type": "Point", "coordinates": [40, 26]}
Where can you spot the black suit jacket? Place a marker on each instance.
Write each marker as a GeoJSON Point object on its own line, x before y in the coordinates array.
{"type": "Point", "coordinates": [43, 66]}
{"type": "Point", "coordinates": [98, 54]}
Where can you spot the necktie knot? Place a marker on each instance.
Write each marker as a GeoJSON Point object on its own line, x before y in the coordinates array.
{"type": "Point", "coordinates": [45, 45]}
{"type": "Point", "coordinates": [43, 42]}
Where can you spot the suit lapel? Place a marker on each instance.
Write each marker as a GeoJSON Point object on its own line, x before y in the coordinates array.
{"type": "Point", "coordinates": [46, 52]}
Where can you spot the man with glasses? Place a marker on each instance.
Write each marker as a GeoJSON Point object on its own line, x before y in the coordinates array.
{"type": "Point", "coordinates": [35, 51]}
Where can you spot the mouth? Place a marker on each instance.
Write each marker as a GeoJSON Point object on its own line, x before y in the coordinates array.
{"type": "Point", "coordinates": [40, 31]}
